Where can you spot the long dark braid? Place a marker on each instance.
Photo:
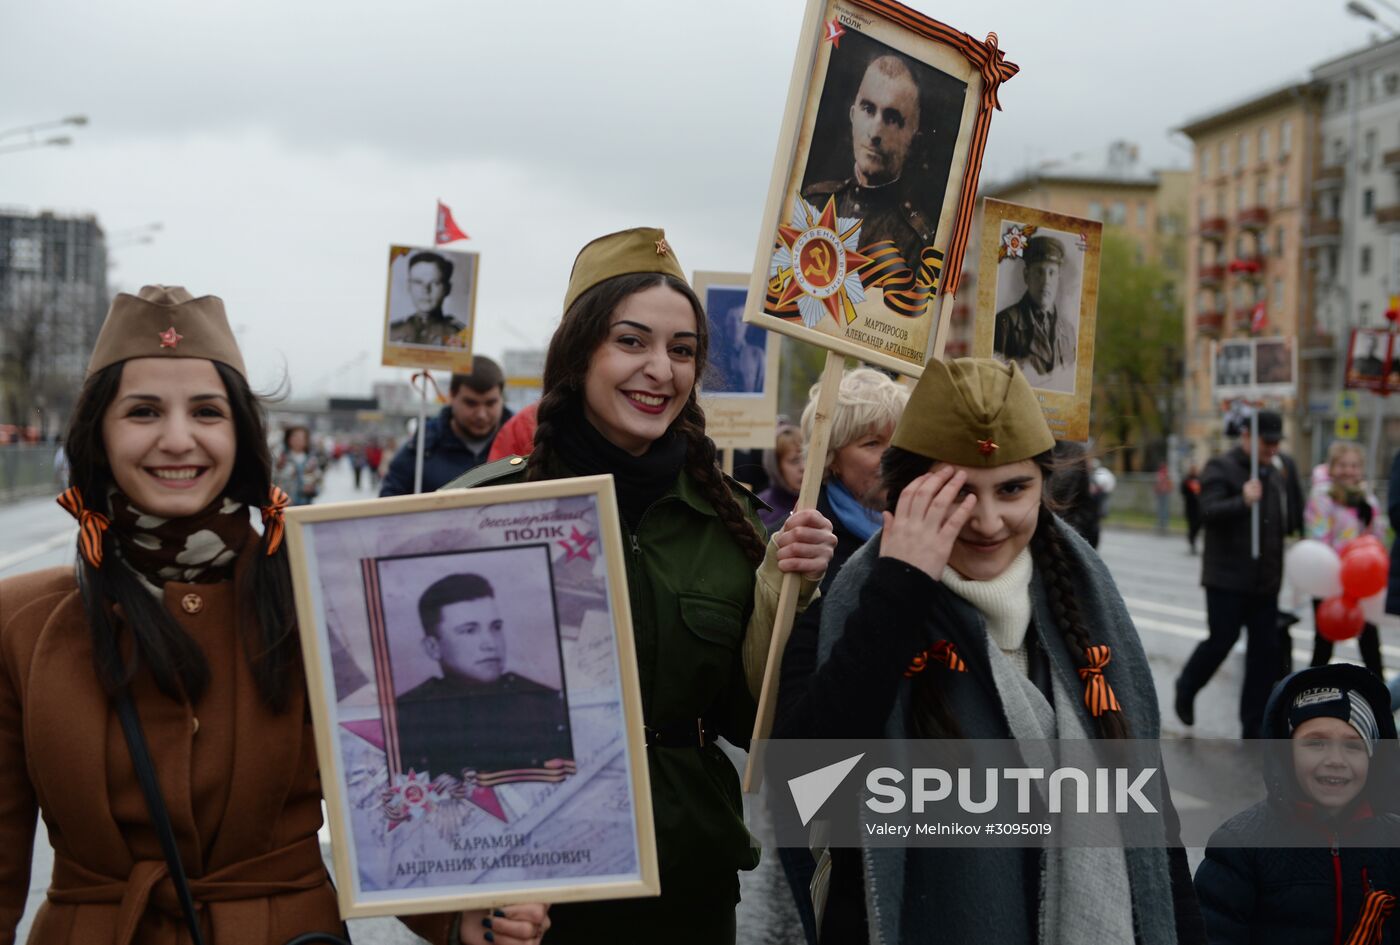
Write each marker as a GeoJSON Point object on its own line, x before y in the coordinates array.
{"type": "Point", "coordinates": [700, 461]}
{"type": "Point", "coordinates": [898, 468]}
{"type": "Point", "coordinates": [582, 329]}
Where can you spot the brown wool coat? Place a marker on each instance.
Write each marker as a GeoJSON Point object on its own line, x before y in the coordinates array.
{"type": "Point", "coordinates": [240, 782]}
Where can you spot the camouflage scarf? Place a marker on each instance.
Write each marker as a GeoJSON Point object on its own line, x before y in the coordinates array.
{"type": "Point", "coordinates": [196, 549]}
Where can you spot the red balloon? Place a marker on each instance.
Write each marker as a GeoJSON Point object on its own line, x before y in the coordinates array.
{"type": "Point", "coordinates": [1367, 540]}
{"type": "Point", "coordinates": [1365, 571]}
{"type": "Point", "coordinates": [1339, 618]}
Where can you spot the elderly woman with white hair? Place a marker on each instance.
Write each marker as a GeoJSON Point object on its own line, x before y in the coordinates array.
{"type": "Point", "coordinates": [868, 405]}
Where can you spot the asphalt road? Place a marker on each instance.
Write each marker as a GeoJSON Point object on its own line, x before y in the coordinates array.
{"type": "Point", "coordinates": [1156, 576]}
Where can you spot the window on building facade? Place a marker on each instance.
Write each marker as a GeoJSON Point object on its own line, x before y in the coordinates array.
{"type": "Point", "coordinates": [1339, 95]}
{"type": "Point", "coordinates": [1278, 294]}
{"type": "Point", "coordinates": [1364, 262]}
{"type": "Point", "coordinates": [1392, 83]}
{"type": "Point", "coordinates": [1282, 189]}
{"type": "Point", "coordinates": [1285, 138]}
{"type": "Point", "coordinates": [1200, 208]}
{"type": "Point", "coordinates": [1117, 213]}
{"type": "Point", "coordinates": [1261, 188]}
{"type": "Point", "coordinates": [1263, 144]}
{"type": "Point", "coordinates": [1142, 214]}
{"type": "Point", "coordinates": [1220, 203]}
{"type": "Point", "coordinates": [1203, 158]}
{"type": "Point", "coordinates": [1368, 202]}
{"type": "Point", "coordinates": [26, 253]}
{"type": "Point", "coordinates": [1368, 146]}
{"type": "Point", "coordinates": [1095, 210]}
{"type": "Point", "coordinates": [1339, 151]}
{"type": "Point", "coordinates": [1278, 240]}
{"type": "Point", "coordinates": [1242, 155]}
{"type": "Point", "coordinates": [1224, 156]}
{"type": "Point", "coordinates": [1363, 313]}
{"type": "Point", "coordinates": [1240, 197]}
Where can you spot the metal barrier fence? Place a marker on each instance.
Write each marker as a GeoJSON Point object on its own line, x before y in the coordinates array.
{"type": "Point", "coordinates": [27, 470]}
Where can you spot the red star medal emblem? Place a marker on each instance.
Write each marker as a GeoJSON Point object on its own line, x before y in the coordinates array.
{"type": "Point", "coordinates": [987, 447]}
{"type": "Point", "coordinates": [170, 337]}
{"type": "Point", "coordinates": [821, 262]}
{"type": "Point", "coordinates": [834, 32]}
{"type": "Point", "coordinates": [662, 247]}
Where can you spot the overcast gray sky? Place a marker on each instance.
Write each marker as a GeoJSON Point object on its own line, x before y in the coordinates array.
{"type": "Point", "coordinates": [284, 146]}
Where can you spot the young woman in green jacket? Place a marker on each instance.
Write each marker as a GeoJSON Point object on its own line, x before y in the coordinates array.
{"type": "Point", "coordinates": [620, 398]}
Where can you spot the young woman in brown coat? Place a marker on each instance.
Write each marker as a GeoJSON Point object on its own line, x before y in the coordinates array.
{"type": "Point", "coordinates": [177, 600]}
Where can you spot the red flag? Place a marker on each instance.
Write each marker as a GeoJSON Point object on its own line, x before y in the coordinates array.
{"type": "Point", "coordinates": [1258, 319]}
{"type": "Point", "coordinates": [447, 230]}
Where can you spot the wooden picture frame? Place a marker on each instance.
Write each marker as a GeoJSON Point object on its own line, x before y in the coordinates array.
{"type": "Point", "coordinates": [1062, 254]}
{"type": "Point", "coordinates": [739, 392]}
{"type": "Point", "coordinates": [537, 787]}
{"type": "Point", "coordinates": [444, 283]}
{"type": "Point", "coordinates": [859, 236]}
{"type": "Point", "coordinates": [1254, 368]}
{"type": "Point", "coordinates": [1370, 345]}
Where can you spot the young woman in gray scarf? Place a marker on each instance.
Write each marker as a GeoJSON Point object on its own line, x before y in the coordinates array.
{"type": "Point", "coordinates": [976, 613]}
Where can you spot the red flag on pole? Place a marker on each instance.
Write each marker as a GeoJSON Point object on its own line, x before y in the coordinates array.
{"type": "Point", "coordinates": [447, 230]}
{"type": "Point", "coordinates": [1259, 318]}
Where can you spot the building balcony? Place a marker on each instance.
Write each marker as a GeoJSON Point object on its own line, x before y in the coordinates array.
{"type": "Point", "coordinates": [1329, 178]}
{"type": "Point", "coordinates": [1253, 219]}
{"type": "Point", "coordinates": [1389, 216]}
{"type": "Point", "coordinates": [1323, 232]}
{"type": "Point", "coordinates": [1242, 318]}
{"type": "Point", "coordinates": [1250, 267]}
{"type": "Point", "coordinates": [1213, 228]}
{"type": "Point", "coordinates": [1210, 324]}
{"type": "Point", "coordinates": [1390, 160]}
{"type": "Point", "coordinates": [1212, 275]}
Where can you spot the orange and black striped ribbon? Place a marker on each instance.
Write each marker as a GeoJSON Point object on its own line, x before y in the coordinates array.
{"type": "Point", "coordinates": [1098, 694]}
{"type": "Point", "coordinates": [1374, 911]}
{"type": "Point", "coordinates": [942, 653]}
{"type": "Point", "coordinates": [905, 293]}
{"type": "Point", "coordinates": [770, 300]}
{"type": "Point", "coordinates": [91, 525]}
{"type": "Point", "coordinates": [273, 519]}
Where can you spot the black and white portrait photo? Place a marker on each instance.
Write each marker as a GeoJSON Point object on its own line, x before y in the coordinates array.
{"type": "Point", "coordinates": [1273, 362]}
{"type": "Point", "coordinates": [477, 674]}
{"type": "Point", "coordinates": [1234, 364]}
{"type": "Point", "coordinates": [738, 352]}
{"type": "Point", "coordinates": [1038, 290]}
{"type": "Point", "coordinates": [883, 143]}
{"type": "Point", "coordinates": [431, 297]}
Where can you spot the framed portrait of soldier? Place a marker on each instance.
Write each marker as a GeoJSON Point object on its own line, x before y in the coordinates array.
{"type": "Point", "coordinates": [473, 688]}
{"type": "Point", "coordinates": [1233, 368]}
{"type": "Point", "coordinates": [739, 391]}
{"type": "Point", "coordinates": [429, 308]}
{"type": "Point", "coordinates": [873, 185]}
{"type": "Point", "coordinates": [1275, 367]}
{"type": "Point", "coordinates": [1369, 359]}
{"type": "Point", "coordinates": [1037, 303]}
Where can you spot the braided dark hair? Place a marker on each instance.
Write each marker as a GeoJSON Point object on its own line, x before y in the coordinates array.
{"type": "Point", "coordinates": [175, 660]}
{"type": "Point", "coordinates": [582, 329]}
{"type": "Point", "coordinates": [898, 468]}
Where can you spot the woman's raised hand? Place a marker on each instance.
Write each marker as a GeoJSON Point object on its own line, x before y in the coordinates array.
{"type": "Point", "coordinates": [523, 924]}
{"type": "Point", "coordinates": [926, 520]}
{"type": "Point", "coordinates": [806, 543]}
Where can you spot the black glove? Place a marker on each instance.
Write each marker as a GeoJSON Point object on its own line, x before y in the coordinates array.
{"type": "Point", "coordinates": [1364, 513]}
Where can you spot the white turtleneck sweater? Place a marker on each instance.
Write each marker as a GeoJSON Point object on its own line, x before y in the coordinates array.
{"type": "Point", "coordinates": [1004, 602]}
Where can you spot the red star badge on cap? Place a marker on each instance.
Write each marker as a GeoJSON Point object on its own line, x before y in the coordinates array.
{"type": "Point", "coordinates": [170, 337]}
{"type": "Point", "coordinates": [662, 247]}
{"type": "Point", "coordinates": [987, 447]}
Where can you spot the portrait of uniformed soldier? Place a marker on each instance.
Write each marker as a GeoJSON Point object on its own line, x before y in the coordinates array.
{"type": "Point", "coordinates": [1038, 331]}
{"type": "Point", "coordinates": [738, 356]}
{"type": "Point", "coordinates": [429, 284]}
{"type": "Point", "coordinates": [1273, 362]}
{"type": "Point", "coordinates": [476, 716]}
{"type": "Point", "coordinates": [1366, 356]}
{"type": "Point", "coordinates": [1232, 365]}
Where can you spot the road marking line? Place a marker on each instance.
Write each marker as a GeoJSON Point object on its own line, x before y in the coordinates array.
{"type": "Point", "coordinates": [1193, 633]}
{"type": "Point", "coordinates": [1136, 602]}
{"type": "Point", "coordinates": [33, 551]}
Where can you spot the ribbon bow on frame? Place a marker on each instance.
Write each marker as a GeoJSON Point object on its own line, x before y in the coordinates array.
{"type": "Point", "coordinates": [1098, 694]}
{"type": "Point", "coordinates": [991, 62]}
{"type": "Point", "coordinates": [91, 525]}
{"type": "Point", "coordinates": [273, 520]}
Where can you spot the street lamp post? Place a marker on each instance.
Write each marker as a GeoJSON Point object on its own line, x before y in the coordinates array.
{"type": "Point", "coordinates": [1358, 9]}
{"type": "Point", "coordinates": [31, 132]}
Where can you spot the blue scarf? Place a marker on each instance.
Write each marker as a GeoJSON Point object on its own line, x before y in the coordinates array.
{"type": "Point", "coordinates": [859, 520]}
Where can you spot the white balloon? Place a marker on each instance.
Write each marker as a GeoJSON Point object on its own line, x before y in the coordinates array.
{"type": "Point", "coordinates": [1374, 608]}
{"type": "Point", "coordinates": [1314, 568]}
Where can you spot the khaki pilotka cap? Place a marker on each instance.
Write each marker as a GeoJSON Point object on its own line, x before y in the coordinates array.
{"type": "Point", "coordinates": [973, 412]}
{"type": "Point", "coordinates": [165, 322]}
{"type": "Point", "coordinates": [642, 249]}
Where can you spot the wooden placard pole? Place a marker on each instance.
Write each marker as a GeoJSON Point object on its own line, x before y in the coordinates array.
{"type": "Point", "coordinates": [830, 385]}
{"type": "Point", "coordinates": [727, 462]}
{"type": "Point", "coordinates": [421, 433]}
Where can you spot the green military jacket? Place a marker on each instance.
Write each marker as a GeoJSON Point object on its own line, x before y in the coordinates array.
{"type": "Point", "coordinates": [692, 592]}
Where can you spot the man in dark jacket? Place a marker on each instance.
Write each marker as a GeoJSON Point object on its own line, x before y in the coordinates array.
{"type": "Point", "coordinates": [1319, 859]}
{"type": "Point", "coordinates": [459, 438]}
{"type": "Point", "coordinates": [1241, 590]}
